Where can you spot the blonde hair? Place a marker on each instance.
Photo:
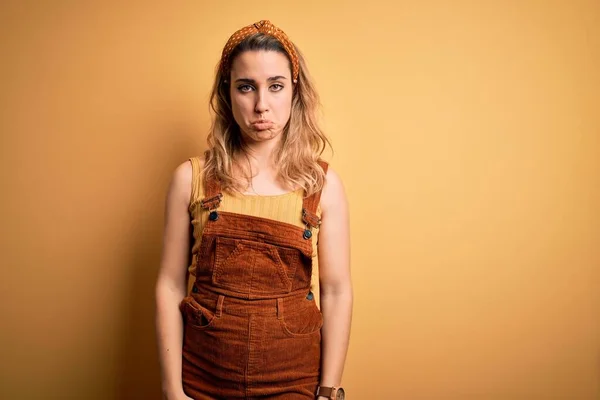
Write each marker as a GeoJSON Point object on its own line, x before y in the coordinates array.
{"type": "Point", "coordinates": [303, 141]}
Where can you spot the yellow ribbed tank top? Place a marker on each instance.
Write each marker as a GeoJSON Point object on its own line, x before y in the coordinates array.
{"type": "Point", "coordinates": [285, 207]}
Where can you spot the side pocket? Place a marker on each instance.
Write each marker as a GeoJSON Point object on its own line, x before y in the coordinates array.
{"type": "Point", "coordinates": [195, 315]}
{"type": "Point", "coordinates": [305, 322]}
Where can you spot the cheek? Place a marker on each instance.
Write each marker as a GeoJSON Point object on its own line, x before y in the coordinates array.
{"type": "Point", "coordinates": [284, 107]}
{"type": "Point", "coordinates": [239, 105]}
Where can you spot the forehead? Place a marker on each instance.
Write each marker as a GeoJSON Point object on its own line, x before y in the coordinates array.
{"type": "Point", "coordinates": [260, 65]}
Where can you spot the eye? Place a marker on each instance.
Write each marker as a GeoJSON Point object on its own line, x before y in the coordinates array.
{"type": "Point", "coordinates": [244, 88]}
{"type": "Point", "coordinates": [277, 87]}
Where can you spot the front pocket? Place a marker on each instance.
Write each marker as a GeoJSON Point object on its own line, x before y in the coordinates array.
{"type": "Point", "coordinates": [195, 315]}
{"type": "Point", "coordinates": [253, 268]}
{"type": "Point", "coordinates": [305, 322]}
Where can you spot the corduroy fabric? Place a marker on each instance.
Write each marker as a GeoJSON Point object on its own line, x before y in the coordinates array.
{"type": "Point", "coordinates": [251, 325]}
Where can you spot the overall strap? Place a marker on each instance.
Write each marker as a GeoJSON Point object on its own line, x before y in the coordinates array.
{"type": "Point", "coordinates": [310, 205]}
{"type": "Point", "coordinates": [212, 193]}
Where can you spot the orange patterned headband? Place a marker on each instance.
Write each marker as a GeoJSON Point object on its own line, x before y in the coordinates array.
{"type": "Point", "coordinates": [266, 27]}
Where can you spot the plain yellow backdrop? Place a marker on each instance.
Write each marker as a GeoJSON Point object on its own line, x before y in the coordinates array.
{"type": "Point", "coordinates": [468, 137]}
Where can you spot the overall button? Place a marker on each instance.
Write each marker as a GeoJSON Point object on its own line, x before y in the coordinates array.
{"type": "Point", "coordinates": [310, 296]}
{"type": "Point", "coordinates": [213, 216]}
{"type": "Point", "coordinates": [195, 289]}
{"type": "Point", "coordinates": [307, 234]}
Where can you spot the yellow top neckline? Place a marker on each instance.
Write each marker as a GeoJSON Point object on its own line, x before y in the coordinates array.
{"type": "Point", "coordinates": [269, 195]}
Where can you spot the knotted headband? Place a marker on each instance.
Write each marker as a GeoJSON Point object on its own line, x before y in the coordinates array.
{"type": "Point", "coordinates": [267, 28]}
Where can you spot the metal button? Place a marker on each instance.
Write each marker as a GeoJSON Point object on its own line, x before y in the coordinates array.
{"type": "Point", "coordinates": [307, 234]}
{"type": "Point", "coordinates": [310, 296]}
{"type": "Point", "coordinates": [195, 289]}
{"type": "Point", "coordinates": [213, 216]}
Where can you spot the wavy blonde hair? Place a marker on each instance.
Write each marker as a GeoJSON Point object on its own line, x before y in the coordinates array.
{"type": "Point", "coordinates": [303, 141]}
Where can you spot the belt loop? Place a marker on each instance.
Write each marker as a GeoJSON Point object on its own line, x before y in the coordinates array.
{"type": "Point", "coordinates": [279, 308]}
{"type": "Point", "coordinates": [219, 306]}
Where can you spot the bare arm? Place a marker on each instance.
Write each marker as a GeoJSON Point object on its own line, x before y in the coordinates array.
{"type": "Point", "coordinates": [335, 281]}
{"type": "Point", "coordinates": [171, 281]}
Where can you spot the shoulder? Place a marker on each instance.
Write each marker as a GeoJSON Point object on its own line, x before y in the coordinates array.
{"type": "Point", "coordinates": [334, 194]}
{"type": "Point", "coordinates": [183, 172]}
{"type": "Point", "coordinates": [182, 180]}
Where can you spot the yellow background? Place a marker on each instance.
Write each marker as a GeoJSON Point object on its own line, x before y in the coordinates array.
{"type": "Point", "coordinates": [468, 137]}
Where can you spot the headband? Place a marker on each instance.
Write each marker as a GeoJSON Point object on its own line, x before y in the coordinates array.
{"type": "Point", "coordinates": [267, 28]}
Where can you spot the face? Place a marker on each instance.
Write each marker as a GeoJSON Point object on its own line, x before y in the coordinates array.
{"type": "Point", "coordinates": [261, 94]}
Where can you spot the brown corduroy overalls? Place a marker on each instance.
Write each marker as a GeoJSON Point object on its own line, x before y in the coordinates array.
{"type": "Point", "coordinates": [251, 325]}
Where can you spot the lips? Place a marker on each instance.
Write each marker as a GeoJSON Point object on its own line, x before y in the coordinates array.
{"type": "Point", "coordinates": [262, 125]}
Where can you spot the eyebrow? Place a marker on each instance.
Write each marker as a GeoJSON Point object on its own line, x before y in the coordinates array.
{"type": "Point", "coordinates": [273, 78]}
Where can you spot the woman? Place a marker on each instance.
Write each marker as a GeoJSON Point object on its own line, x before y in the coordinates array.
{"type": "Point", "coordinates": [256, 202]}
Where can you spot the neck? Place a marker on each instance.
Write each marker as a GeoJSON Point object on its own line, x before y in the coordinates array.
{"type": "Point", "coordinates": [261, 155]}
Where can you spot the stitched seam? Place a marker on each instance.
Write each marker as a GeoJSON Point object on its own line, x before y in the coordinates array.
{"type": "Point", "coordinates": [219, 262]}
{"type": "Point", "coordinates": [306, 247]}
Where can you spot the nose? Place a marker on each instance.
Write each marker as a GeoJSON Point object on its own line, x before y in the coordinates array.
{"type": "Point", "coordinates": [261, 105]}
